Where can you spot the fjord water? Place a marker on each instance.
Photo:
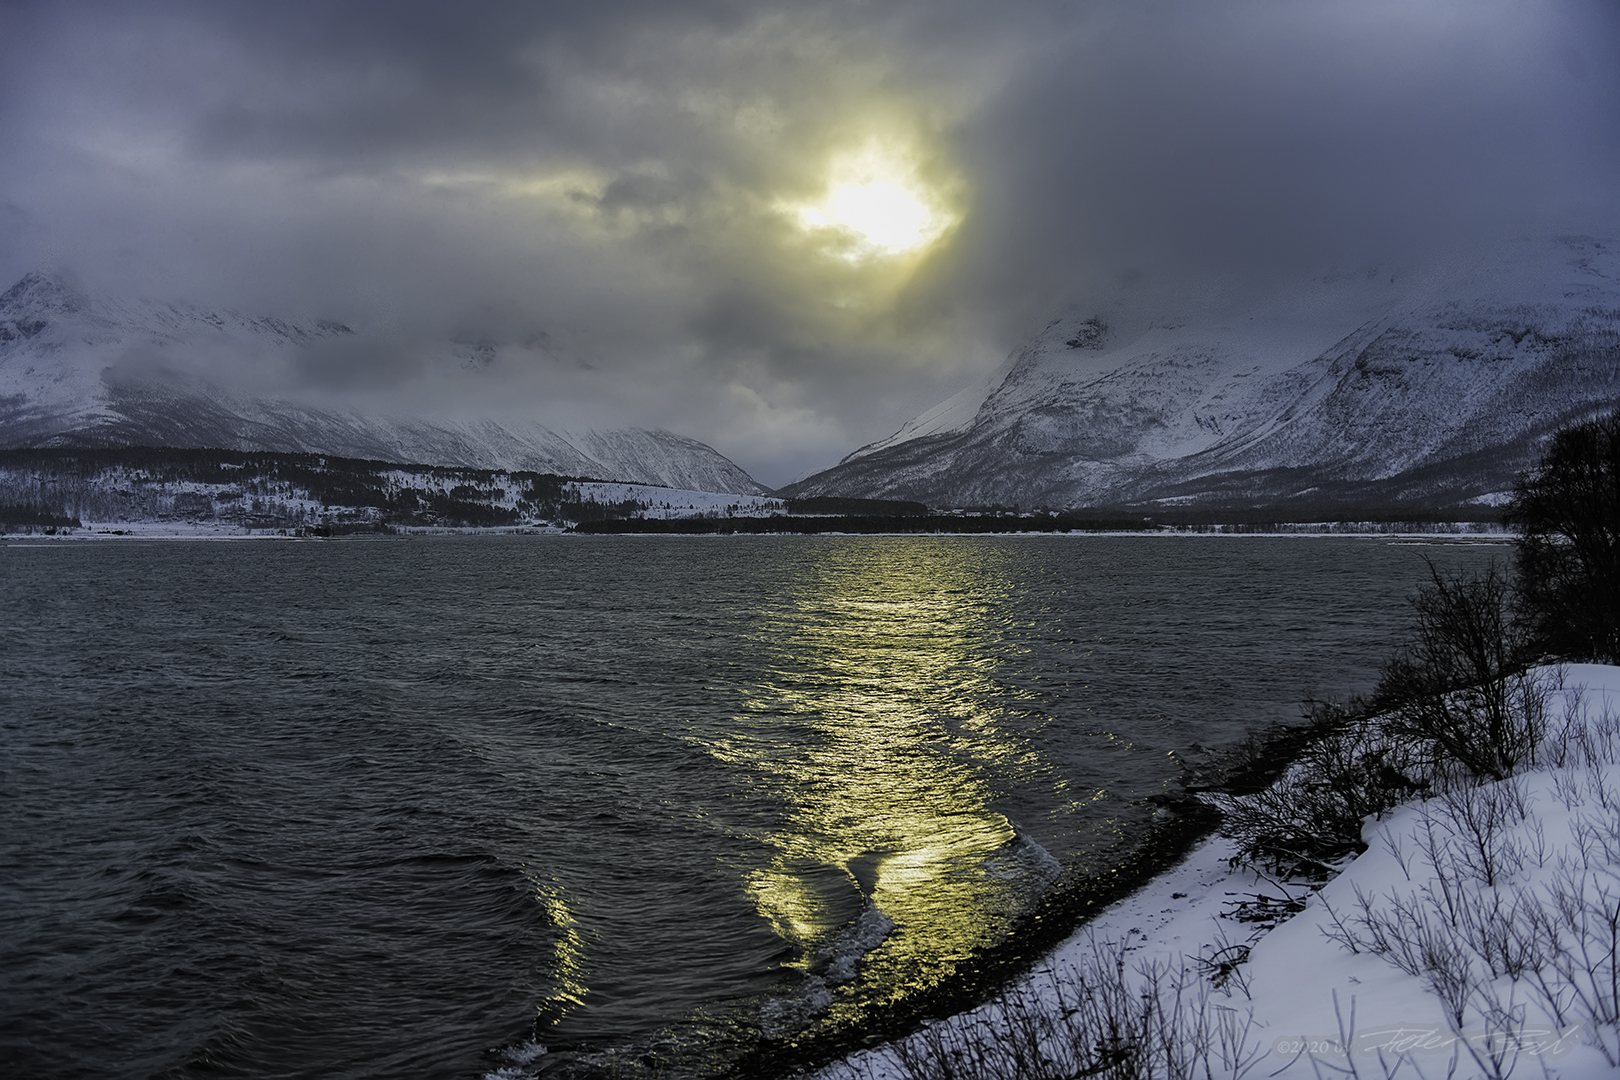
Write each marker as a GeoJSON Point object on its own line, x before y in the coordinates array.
{"type": "Point", "coordinates": [366, 809]}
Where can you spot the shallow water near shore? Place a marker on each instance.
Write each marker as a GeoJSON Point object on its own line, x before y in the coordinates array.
{"type": "Point", "coordinates": [389, 808]}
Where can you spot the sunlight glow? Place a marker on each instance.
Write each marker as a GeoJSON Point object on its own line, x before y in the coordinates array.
{"type": "Point", "coordinates": [876, 205]}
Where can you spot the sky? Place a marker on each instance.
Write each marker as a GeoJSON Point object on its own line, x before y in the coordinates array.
{"type": "Point", "coordinates": [780, 228]}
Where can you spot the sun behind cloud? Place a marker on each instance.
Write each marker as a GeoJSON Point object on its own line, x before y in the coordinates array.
{"type": "Point", "coordinates": [876, 205]}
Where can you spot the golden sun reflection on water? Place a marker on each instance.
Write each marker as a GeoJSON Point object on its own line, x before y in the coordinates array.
{"type": "Point", "coordinates": [879, 728]}
{"type": "Point", "coordinates": [568, 951]}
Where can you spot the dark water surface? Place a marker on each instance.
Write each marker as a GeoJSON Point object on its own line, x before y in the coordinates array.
{"type": "Point", "coordinates": [391, 808]}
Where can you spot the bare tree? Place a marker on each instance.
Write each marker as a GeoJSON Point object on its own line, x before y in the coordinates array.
{"type": "Point", "coordinates": [1567, 513]}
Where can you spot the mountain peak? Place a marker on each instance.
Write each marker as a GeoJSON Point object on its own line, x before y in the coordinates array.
{"type": "Point", "coordinates": [36, 294]}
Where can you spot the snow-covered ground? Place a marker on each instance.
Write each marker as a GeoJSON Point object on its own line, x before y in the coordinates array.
{"type": "Point", "coordinates": [662, 502]}
{"type": "Point", "coordinates": [1478, 935]}
{"type": "Point", "coordinates": [161, 530]}
{"type": "Point", "coordinates": [121, 501]}
{"type": "Point", "coordinates": [653, 500]}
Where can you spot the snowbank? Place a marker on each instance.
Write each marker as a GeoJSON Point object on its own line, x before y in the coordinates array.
{"type": "Point", "coordinates": [1478, 935]}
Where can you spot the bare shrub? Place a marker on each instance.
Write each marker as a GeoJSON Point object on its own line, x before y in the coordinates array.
{"type": "Point", "coordinates": [1311, 819]}
{"type": "Point", "coordinates": [1103, 1018]}
{"type": "Point", "coordinates": [1479, 818]}
{"type": "Point", "coordinates": [1221, 962]}
{"type": "Point", "coordinates": [1476, 918]}
{"type": "Point", "coordinates": [1491, 929]}
{"type": "Point", "coordinates": [1585, 955]}
{"type": "Point", "coordinates": [1461, 684]}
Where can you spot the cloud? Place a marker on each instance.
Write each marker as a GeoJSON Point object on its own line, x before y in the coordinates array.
{"type": "Point", "coordinates": [1251, 140]}
{"type": "Point", "coordinates": [618, 178]}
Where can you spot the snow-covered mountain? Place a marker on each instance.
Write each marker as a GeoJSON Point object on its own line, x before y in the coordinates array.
{"type": "Point", "coordinates": [1368, 390]}
{"type": "Point", "coordinates": [77, 370]}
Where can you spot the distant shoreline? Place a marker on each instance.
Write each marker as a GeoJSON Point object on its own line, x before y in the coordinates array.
{"type": "Point", "coordinates": [742, 527]}
{"type": "Point", "coordinates": [1435, 532]}
{"type": "Point", "coordinates": [945, 524]}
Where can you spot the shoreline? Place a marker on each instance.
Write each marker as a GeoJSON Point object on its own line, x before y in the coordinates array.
{"type": "Point", "coordinates": [1313, 1005]}
{"type": "Point", "coordinates": [1061, 912]}
{"type": "Point", "coordinates": [1182, 829]}
{"type": "Point", "coordinates": [168, 531]}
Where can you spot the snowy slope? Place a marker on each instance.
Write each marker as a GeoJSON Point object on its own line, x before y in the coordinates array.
{"type": "Point", "coordinates": [77, 370]}
{"type": "Point", "coordinates": [1370, 389]}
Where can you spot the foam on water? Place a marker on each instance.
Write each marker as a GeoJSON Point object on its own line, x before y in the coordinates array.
{"type": "Point", "coordinates": [1024, 860]}
{"type": "Point", "coordinates": [518, 1060]}
{"type": "Point", "coordinates": [836, 964]}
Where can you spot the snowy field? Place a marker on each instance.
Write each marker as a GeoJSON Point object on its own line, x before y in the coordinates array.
{"type": "Point", "coordinates": [284, 511]}
{"type": "Point", "coordinates": [1477, 936]}
{"type": "Point", "coordinates": [145, 530]}
{"type": "Point", "coordinates": [662, 502]}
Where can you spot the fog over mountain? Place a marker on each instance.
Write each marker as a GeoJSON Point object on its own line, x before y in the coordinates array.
{"type": "Point", "coordinates": [1367, 392]}
{"type": "Point", "coordinates": [778, 229]}
{"type": "Point", "coordinates": [84, 371]}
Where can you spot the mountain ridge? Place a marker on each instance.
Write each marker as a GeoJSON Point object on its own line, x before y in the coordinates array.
{"type": "Point", "coordinates": [96, 371]}
{"type": "Point", "coordinates": [1347, 391]}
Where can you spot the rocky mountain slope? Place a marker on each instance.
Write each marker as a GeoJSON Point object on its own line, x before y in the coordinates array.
{"type": "Point", "coordinates": [1366, 391]}
{"type": "Point", "coordinates": [77, 370]}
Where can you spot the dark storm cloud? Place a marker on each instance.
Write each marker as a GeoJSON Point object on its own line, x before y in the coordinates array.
{"type": "Point", "coordinates": [616, 178]}
{"type": "Point", "coordinates": [1256, 140]}
{"type": "Point", "coordinates": [405, 80]}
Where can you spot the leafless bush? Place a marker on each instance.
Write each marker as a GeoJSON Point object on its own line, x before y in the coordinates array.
{"type": "Point", "coordinates": [1479, 819]}
{"type": "Point", "coordinates": [1222, 961]}
{"type": "Point", "coordinates": [1103, 1018]}
{"type": "Point", "coordinates": [1412, 934]}
{"type": "Point", "coordinates": [1581, 929]}
{"type": "Point", "coordinates": [1477, 917]}
{"type": "Point", "coordinates": [1311, 818]}
{"type": "Point", "coordinates": [1492, 929]}
{"type": "Point", "coordinates": [1461, 684]}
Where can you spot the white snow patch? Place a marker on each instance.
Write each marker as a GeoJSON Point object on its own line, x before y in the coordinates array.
{"type": "Point", "coordinates": [663, 502]}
